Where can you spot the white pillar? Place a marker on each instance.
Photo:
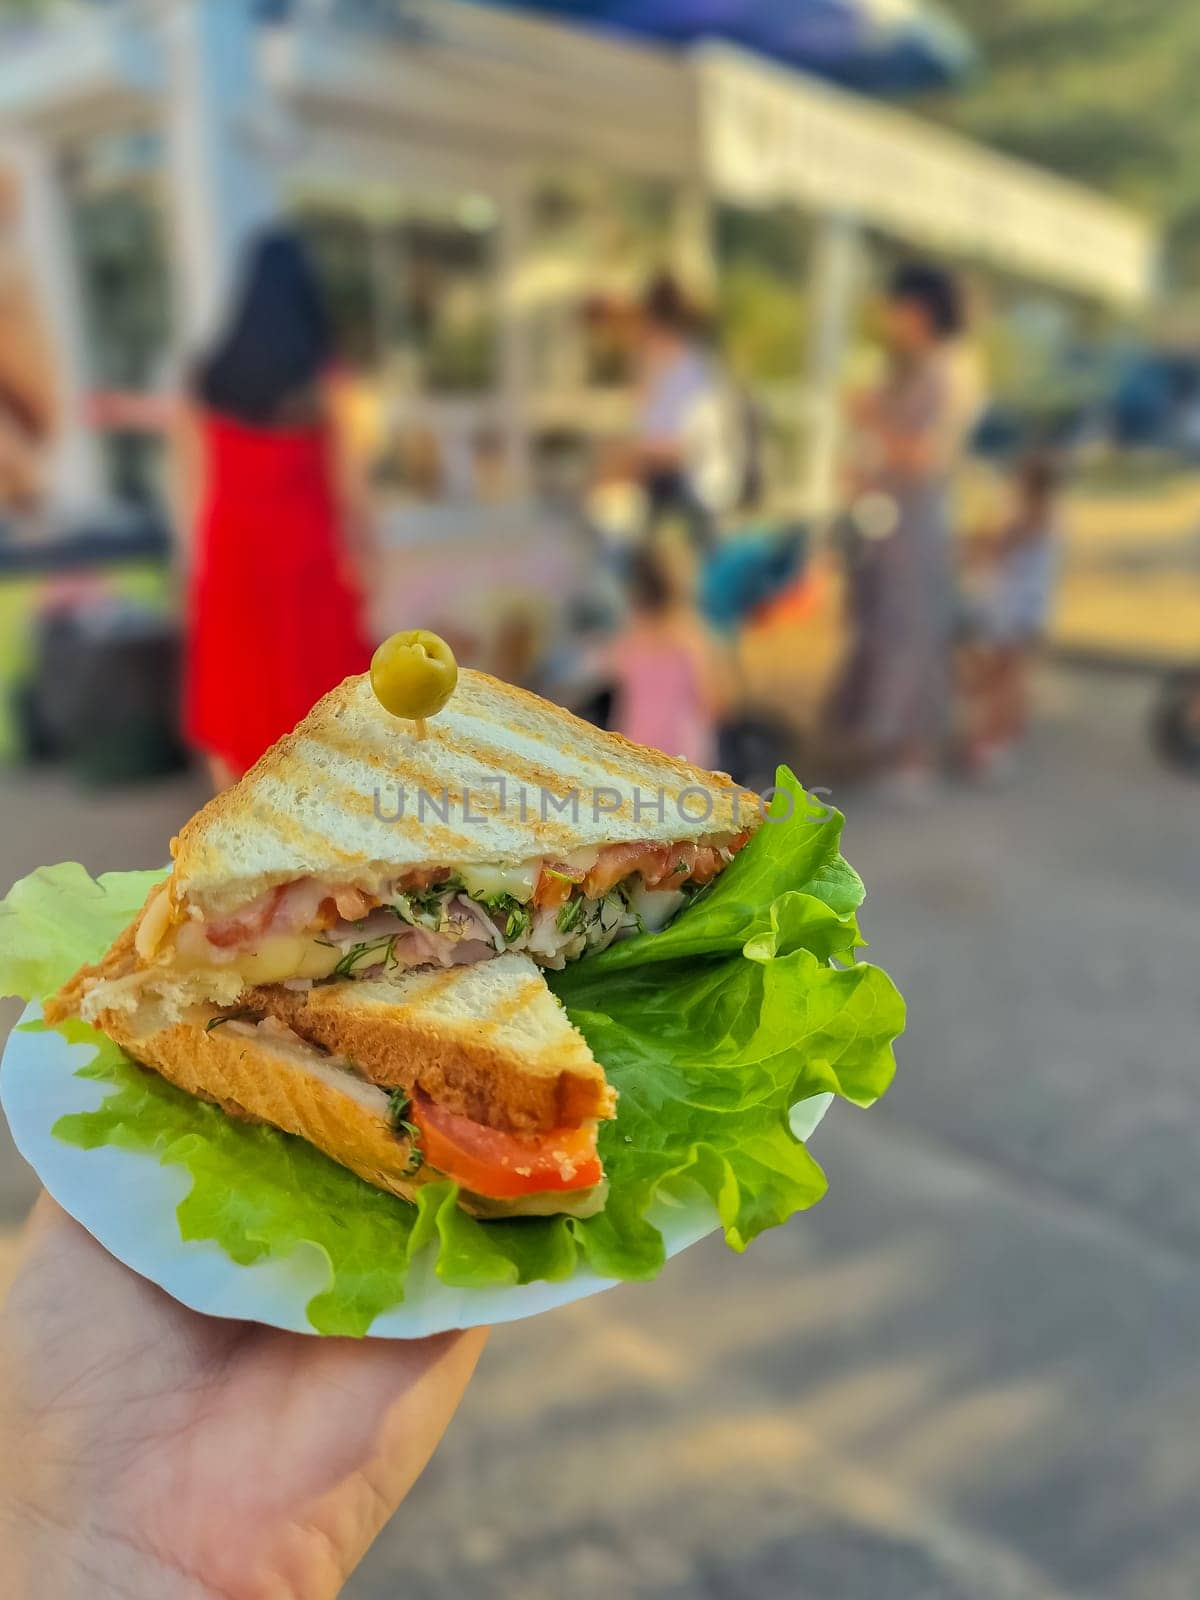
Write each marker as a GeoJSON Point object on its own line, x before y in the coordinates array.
{"type": "Point", "coordinates": [515, 355]}
{"type": "Point", "coordinates": [219, 178]}
{"type": "Point", "coordinates": [50, 256]}
{"type": "Point", "coordinates": [835, 282]}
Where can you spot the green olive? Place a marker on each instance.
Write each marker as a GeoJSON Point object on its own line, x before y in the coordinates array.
{"type": "Point", "coordinates": [413, 673]}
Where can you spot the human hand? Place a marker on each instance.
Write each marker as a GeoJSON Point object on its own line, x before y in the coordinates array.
{"type": "Point", "coordinates": [151, 1453]}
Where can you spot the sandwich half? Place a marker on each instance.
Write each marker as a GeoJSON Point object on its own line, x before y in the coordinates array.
{"type": "Point", "coordinates": [471, 1073]}
{"type": "Point", "coordinates": [350, 942]}
{"type": "Point", "coordinates": [356, 849]}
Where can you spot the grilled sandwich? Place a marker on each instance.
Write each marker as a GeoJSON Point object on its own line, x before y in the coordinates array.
{"type": "Point", "coordinates": [471, 1073]}
{"type": "Point", "coordinates": [355, 848]}
{"type": "Point", "coordinates": [365, 913]}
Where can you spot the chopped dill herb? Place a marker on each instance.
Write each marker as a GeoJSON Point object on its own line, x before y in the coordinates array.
{"type": "Point", "coordinates": [570, 914]}
{"type": "Point", "coordinates": [424, 905]}
{"type": "Point", "coordinates": [384, 949]}
{"type": "Point", "coordinates": [399, 1105]}
{"type": "Point", "coordinates": [517, 918]}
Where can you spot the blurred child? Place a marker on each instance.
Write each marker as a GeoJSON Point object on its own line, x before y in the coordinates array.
{"type": "Point", "coordinates": [1009, 622]}
{"type": "Point", "coordinates": [667, 690]}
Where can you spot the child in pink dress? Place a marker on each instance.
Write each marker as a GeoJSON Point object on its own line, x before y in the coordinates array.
{"type": "Point", "coordinates": [667, 690]}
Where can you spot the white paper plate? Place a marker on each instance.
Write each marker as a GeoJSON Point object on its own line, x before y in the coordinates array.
{"type": "Point", "coordinates": [127, 1201]}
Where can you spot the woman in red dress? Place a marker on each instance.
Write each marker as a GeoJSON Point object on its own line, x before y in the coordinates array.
{"type": "Point", "coordinates": [274, 604]}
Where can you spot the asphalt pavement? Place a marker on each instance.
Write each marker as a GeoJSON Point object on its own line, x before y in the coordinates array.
{"type": "Point", "coordinates": [973, 1371]}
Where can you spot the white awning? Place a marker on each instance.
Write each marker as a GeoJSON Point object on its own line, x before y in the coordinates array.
{"type": "Point", "coordinates": [770, 136]}
{"type": "Point", "coordinates": [499, 87]}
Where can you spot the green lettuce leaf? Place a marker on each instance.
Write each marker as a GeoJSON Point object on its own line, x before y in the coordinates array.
{"type": "Point", "coordinates": [791, 888]}
{"type": "Point", "coordinates": [57, 919]}
{"type": "Point", "coordinates": [711, 1031]}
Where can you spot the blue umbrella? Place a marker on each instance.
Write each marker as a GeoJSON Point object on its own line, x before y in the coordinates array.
{"type": "Point", "coordinates": [883, 46]}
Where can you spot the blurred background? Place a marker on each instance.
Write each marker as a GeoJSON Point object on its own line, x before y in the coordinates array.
{"type": "Point", "coordinates": [815, 382]}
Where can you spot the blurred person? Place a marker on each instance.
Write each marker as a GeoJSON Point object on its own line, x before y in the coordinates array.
{"type": "Point", "coordinates": [1008, 621]}
{"type": "Point", "coordinates": [148, 1450]}
{"type": "Point", "coordinates": [892, 696]}
{"type": "Point", "coordinates": [28, 378]}
{"type": "Point", "coordinates": [689, 443]}
{"type": "Point", "coordinates": [666, 686]}
{"type": "Point", "coordinates": [517, 643]}
{"type": "Point", "coordinates": [275, 518]}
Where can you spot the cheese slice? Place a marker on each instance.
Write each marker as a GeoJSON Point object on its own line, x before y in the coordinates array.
{"type": "Point", "coordinates": [519, 881]}
{"type": "Point", "coordinates": [269, 960]}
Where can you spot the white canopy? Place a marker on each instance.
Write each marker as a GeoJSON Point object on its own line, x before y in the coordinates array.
{"type": "Point", "coordinates": [437, 91]}
{"type": "Point", "coordinates": [771, 136]}
{"type": "Point", "coordinates": [498, 86]}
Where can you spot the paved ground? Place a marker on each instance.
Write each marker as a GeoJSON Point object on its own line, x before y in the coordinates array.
{"type": "Point", "coordinates": [974, 1370]}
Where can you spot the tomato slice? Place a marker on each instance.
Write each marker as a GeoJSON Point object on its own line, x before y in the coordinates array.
{"type": "Point", "coordinates": [502, 1165]}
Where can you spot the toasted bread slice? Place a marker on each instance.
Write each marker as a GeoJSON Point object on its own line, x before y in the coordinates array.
{"type": "Point", "coordinates": [489, 1042]}
{"type": "Point", "coordinates": [353, 801]}
{"type": "Point", "coordinates": [250, 1072]}
{"type": "Point", "coordinates": [260, 1072]}
{"type": "Point", "coordinates": [353, 792]}
{"type": "Point", "coordinates": [117, 983]}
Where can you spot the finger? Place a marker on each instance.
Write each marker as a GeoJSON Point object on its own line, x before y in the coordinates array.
{"type": "Point", "coordinates": [440, 1370]}
{"type": "Point", "coordinates": [394, 1401]}
{"type": "Point", "coordinates": [401, 1392]}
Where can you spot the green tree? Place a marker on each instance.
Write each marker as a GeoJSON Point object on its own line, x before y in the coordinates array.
{"type": "Point", "coordinates": [1103, 92]}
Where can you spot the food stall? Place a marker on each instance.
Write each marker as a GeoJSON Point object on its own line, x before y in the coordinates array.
{"type": "Point", "coordinates": [468, 177]}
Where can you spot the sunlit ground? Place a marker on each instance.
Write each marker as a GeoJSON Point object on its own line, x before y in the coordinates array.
{"type": "Point", "coordinates": [1131, 573]}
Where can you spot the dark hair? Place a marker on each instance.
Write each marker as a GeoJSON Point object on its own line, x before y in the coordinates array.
{"type": "Point", "coordinates": [277, 341]}
{"type": "Point", "coordinates": [935, 290]}
{"type": "Point", "coordinates": [649, 586]}
{"type": "Point", "coordinates": [1039, 474]}
{"type": "Point", "coordinates": [665, 303]}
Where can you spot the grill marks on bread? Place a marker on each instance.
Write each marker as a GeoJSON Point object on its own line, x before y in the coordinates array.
{"type": "Point", "coordinates": [322, 800]}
